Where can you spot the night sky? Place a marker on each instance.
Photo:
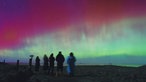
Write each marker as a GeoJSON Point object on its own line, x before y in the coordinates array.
{"type": "Point", "coordinates": [96, 31]}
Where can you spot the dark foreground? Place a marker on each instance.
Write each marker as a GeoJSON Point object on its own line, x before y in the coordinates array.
{"type": "Point", "coordinates": [107, 73]}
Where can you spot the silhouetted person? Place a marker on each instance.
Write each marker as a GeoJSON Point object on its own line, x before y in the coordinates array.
{"type": "Point", "coordinates": [37, 63]}
{"type": "Point", "coordinates": [45, 65]}
{"type": "Point", "coordinates": [17, 68]}
{"type": "Point", "coordinates": [60, 60]}
{"type": "Point", "coordinates": [51, 61]}
{"type": "Point", "coordinates": [30, 63]}
{"type": "Point", "coordinates": [71, 64]}
{"type": "Point", "coordinates": [4, 61]}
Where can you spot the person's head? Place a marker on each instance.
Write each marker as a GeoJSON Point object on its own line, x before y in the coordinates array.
{"type": "Point", "coordinates": [60, 52]}
{"type": "Point", "coordinates": [51, 55]}
{"type": "Point", "coordinates": [45, 55]}
{"type": "Point", "coordinates": [71, 54]}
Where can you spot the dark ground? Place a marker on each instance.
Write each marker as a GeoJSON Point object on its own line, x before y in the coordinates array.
{"type": "Point", "coordinates": [98, 73]}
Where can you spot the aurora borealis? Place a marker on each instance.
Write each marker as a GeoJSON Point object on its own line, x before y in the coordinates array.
{"type": "Point", "coordinates": [96, 31]}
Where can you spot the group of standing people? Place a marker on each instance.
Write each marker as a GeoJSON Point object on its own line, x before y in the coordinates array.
{"type": "Point", "coordinates": [48, 63]}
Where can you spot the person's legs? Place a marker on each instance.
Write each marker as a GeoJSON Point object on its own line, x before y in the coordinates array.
{"type": "Point", "coordinates": [71, 70]}
{"type": "Point", "coordinates": [68, 70]}
{"type": "Point", "coordinates": [57, 69]}
{"type": "Point", "coordinates": [61, 68]}
{"type": "Point", "coordinates": [51, 68]}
